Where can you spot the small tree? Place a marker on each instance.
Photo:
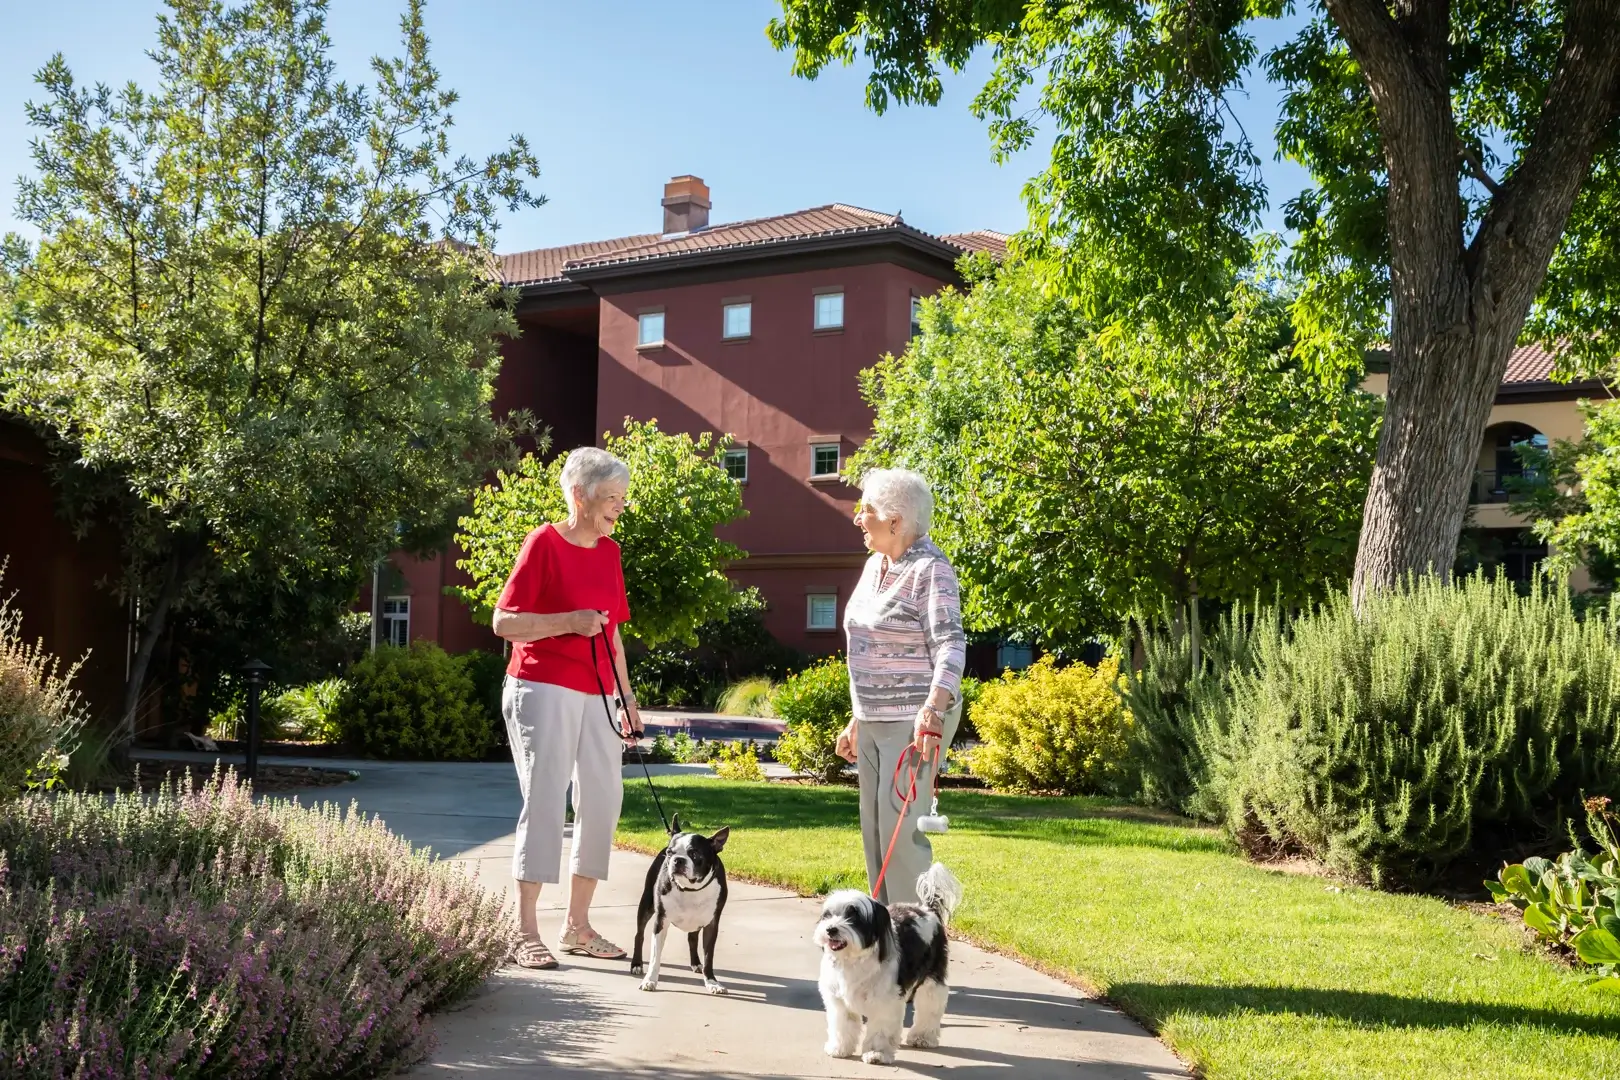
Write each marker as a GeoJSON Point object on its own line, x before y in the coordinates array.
{"type": "Point", "coordinates": [1086, 475]}
{"type": "Point", "coordinates": [674, 565]}
{"type": "Point", "coordinates": [258, 317]}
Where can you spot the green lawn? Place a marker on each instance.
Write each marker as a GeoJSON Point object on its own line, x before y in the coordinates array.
{"type": "Point", "coordinates": [1247, 973]}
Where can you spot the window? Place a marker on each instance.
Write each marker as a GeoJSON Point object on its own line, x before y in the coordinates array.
{"type": "Point", "coordinates": [737, 320]}
{"type": "Point", "coordinates": [829, 311]}
{"type": "Point", "coordinates": [916, 316]}
{"type": "Point", "coordinates": [737, 465]}
{"type": "Point", "coordinates": [1010, 654]}
{"type": "Point", "coordinates": [650, 328]}
{"type": "Point", "coordinates": [822, 611]}
{"type": "Point", "coordinates": [824, 460]}
{"type": "Point", "coordinates": [396, 621]}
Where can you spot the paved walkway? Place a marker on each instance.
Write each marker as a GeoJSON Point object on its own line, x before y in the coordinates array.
{"type": "Point", "coordinates": [590, 1019]}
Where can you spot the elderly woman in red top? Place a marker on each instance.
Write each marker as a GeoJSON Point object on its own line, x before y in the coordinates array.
{"type": "Point", "coordinates": [562, 605]}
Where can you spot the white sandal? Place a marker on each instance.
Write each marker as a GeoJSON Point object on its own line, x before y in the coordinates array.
{"type": "Point", "coordinates": [596, 945]}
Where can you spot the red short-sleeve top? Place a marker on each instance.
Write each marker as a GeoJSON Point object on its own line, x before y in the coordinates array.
{"type": "Point", "coordinates": [552, 576]}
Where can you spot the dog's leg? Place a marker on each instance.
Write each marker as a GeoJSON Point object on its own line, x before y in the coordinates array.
{"type": "Point", "coordinates": [843, 1026]}
{"type": "Point", "coordinates": [711, 934]}
{"type": "Point", "coordinates": [930, 1006]}
{"type": "Point", "coordinates": [643, 913]}
{"type": "Point", "coordinates": [882, 1032]}
{"type": "Point", "coordinates": [660, 932]}
{"type": "Point", "coordinates": [692, 940]}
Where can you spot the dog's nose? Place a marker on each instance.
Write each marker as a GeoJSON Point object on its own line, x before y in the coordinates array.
{"type": "Point", "coordinates": [832, 931]}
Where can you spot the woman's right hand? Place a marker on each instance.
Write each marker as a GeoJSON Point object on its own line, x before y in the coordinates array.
{"type": "Point", "coordinates": [848, 740]}
{"type": "Point", "coordinates": [585, 623]}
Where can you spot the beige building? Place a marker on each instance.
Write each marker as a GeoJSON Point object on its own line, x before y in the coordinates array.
{"type": "Point", "coordinates": [1530, 407]}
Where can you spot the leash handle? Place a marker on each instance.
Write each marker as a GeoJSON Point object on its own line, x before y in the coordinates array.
{"type": "Point", "coordinates": [613, 723]}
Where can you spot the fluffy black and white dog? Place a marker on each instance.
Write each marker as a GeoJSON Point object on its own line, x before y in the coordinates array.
{"type": "Point", "coordinates": [686, 889]}
{"type": "Point", "coordinates": [875, 959]}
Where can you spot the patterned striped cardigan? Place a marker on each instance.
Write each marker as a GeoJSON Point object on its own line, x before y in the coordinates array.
{"type": "Point", "coordinates": [905, 636]}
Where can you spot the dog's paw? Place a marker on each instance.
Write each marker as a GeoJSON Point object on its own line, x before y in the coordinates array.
{"type": "Point", "coordinates": [697, 969]}
{"type": "Point", "coordinates": [878, 1057]}
{"type": "Point", "coordinates": [649, 984]}
{"type": "Point", "coordinates": [637, 967]}
{"type": "Point", "coordinates": [924, 1039]}
{"type": "Point", "coordinates": [714, 987]}
{"type": "Point", "coordinates": [839, 1050]}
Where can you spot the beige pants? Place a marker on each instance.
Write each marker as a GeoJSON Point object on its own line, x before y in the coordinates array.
{"type": "Point", "coordinates": [880, 745]}
{"type": "Point", "coordinates": [557, 735]}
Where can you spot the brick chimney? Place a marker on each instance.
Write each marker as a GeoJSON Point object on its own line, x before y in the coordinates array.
{"type": "Point", "coordinates": [686, 205]}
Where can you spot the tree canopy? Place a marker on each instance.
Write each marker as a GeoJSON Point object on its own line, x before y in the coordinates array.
{"type": "Point", "coordinates": [258, 318]}
{"type": "Point", "coordinates": [674, 564]}
{"type": "Point", "coordinates": [1085, 474]}
{"type": "Point", "coordinates": [1465, 165]}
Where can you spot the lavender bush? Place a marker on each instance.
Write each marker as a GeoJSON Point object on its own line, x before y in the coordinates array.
{"type": "Point", "coordinates": [40, 712]}
{"type": "Point", "coordinates": [200, 934]}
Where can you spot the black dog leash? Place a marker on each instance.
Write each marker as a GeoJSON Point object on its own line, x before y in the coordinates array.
{"type": "Point", "coordinates": [614, 724]}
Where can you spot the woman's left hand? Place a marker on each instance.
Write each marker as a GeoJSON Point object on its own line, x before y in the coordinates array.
{"type": "Point", "coordinates": [927, 731]}
{"type": "Point", "coordinates": [630, 721]}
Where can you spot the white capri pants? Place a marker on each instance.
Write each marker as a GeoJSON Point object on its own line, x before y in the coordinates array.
{"type": "Point", "coordinates": [558, 734]}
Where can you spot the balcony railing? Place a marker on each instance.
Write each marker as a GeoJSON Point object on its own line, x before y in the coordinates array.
{"type": "Point", "coordinates": [1491, 485]}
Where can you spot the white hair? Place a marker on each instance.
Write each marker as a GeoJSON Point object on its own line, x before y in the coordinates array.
{"type": "Point", "coordinates": [902, 493]}
{"type": "Point", "coordinates": [590, 467]}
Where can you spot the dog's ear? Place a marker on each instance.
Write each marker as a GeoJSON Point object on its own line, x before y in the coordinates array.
{"type": "Point", "coordinates": [675, 824]}
{"type": "Point", "coordinates": [719, 839]}
{"type": "Point", "coordinates": [881, 926]}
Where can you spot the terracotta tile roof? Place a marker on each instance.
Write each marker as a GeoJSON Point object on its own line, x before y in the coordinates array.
{"type": "Point", "coordinates": [545, 264]}
{"type": "Point", "coordinates": [979, 240]}
{"type": "Point", "coordinates": [1529, 364]}
{"type": "Point", "coordinates": [835, 219]}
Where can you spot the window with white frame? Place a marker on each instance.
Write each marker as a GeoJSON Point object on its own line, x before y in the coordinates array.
{"type": "Point", "coordinates": [916, 316]}
{"type": "Point", "coordinates": [737, 464]}
{"type": "Point", "coordinates": [829, 310]}
{"type": "Point", "coordinates": [821, 611]}
{"type": "Point", "coordinates": [650, 328]}
{"type": "Point", "coordinates": [396, 621]}
{"type": "Point", "coordinates": [824, 459]}
{"type": "Point", "coordinates": [737, 320]}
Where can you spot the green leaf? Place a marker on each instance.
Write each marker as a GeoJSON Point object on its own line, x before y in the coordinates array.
{"type": "Point", "coordinates": [1516, 879]}
{"type": "Point", "coordinates": [1542, 920]}
{"type": "Point", "coordinates": [1595, 945]}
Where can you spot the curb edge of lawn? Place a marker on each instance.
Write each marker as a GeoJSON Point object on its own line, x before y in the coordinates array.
{"type": "Point", "coordinates": [1063, 975]}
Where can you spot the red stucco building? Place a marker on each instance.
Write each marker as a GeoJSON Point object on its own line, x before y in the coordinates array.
{"type": "Point", "coordinates": [757, 329]}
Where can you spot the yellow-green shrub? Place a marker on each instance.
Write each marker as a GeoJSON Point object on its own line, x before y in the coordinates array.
{"type": "Point", "coordinates": [1052, 729]}
{"type": "Point", "coordinates": [738, 761]}
{"type": "Point", "coordinates": [815, 706]}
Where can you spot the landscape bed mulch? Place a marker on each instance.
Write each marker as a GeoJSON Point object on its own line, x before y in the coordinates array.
{"type": "Point", "coordinates": [272, 779]}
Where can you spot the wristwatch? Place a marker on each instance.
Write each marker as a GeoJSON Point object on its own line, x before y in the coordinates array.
{"type": "Point", "coordinates": [939, 721]}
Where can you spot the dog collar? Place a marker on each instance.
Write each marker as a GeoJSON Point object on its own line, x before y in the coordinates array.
{"type": "Point", "coordinates": [699, 887]}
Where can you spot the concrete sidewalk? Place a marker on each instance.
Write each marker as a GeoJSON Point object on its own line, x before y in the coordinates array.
{"type": "Point", "coordinates": [590, 1019]}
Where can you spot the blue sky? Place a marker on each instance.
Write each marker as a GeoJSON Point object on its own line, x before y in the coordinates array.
{"type": "Point", "coordinates": [616, 96]}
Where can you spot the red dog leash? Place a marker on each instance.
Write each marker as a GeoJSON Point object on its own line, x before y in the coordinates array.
{"type": "Point", "coordinates": [907, 797]}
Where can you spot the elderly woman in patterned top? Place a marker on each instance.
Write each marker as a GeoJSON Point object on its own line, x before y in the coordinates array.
{"type": "Point", "coordinates": [906, 650]}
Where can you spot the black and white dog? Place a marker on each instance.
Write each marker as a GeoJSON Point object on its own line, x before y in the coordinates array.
{"type": "Point", "coordinates": [875, 959]}
{"type": "Point", "coordinates": [686, 889]}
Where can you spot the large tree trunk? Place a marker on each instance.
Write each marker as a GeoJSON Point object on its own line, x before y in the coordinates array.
{"type": "Point", "coordinates": [1458, 304]}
